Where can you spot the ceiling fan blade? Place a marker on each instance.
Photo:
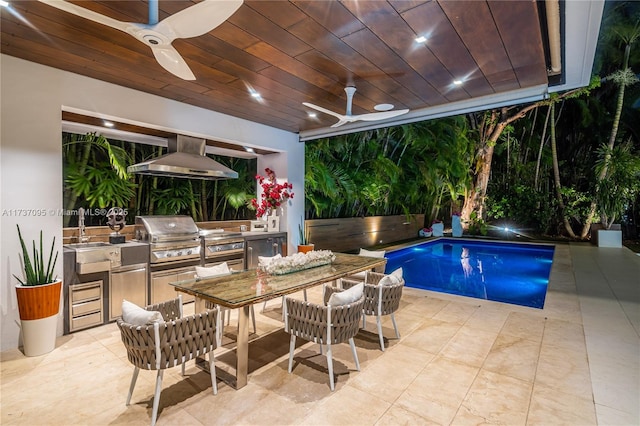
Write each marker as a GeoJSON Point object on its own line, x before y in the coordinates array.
{"type": "Point", "coordinates": [169, 58]}
{"type": "Point", "coordinates": [375, 116]}
{"type": "Point", "coordinates": [326, 111]}
{"type": "Point", "coordinates": [88, 14]}
{"type": "Point", "coordinates": [341, 122]}
{"type": "Point", "coordinates": [198, 19]}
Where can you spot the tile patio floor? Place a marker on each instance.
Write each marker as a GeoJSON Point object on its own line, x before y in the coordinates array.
{"type": "Point", "coordinates": [458, 361]}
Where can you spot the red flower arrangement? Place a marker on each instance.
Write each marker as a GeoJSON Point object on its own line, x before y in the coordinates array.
{"type": "Point", "coordinates": [273, 193]}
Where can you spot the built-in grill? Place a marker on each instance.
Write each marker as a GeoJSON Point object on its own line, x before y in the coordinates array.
{"type": "Point", "coordinates": [171, 238]}
{"type": "Point", "coordinates": [219, 246]}
{"type": "Point", "coordinates": [174, 252]}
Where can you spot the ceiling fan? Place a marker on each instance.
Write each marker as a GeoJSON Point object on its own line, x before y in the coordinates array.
{"type": "Point", "coordinates": [349, 118]}
{"type": "Point", "coordinates": [193, 21]}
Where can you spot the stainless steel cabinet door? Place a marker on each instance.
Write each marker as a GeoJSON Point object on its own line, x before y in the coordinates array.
{"type": "Point", "coordinates": [262, 247]}
{"type": "Point", "coordinates": [130, 284]}
{"type": "Point", "coordinates": [162, 291]}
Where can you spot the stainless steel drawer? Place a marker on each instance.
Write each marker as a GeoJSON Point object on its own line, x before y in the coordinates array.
{"type": "Point", "coordinates": [86, 307]}
{"type": "Point", "coordinates": [86, 291]}
{"type": "Point", "coordinates": [85, 321]}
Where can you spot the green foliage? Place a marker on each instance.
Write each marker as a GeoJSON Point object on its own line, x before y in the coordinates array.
{"type": "Point", "coordinates": [622, 183]}
{"type": "Point", "coordinates": [100, 185]}
{"type": "Point", "coordinates": [35, 272]}
{"type": "Point", "coordinates": [524, 207]}
{"type": "Point", "coordinates": [175, 198]}
{"type": "Point", "coordinates": [477, 226]}
{"type": "Point", "coordinates": [414, 168]}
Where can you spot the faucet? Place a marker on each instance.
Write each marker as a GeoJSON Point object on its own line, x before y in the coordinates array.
{"type": "Point", "coordinates": [82, 238]}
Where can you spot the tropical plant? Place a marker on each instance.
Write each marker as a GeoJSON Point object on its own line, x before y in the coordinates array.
{"type": "Point", "coordinates": [35, 271]}
{"type": "Point", "coordinates": [628, 35]}
{"type": "Point", "coordinates": [477, 226]}
{"type": "Point", "coordinates": [621, 184]}
{"type": "Point", "coordinates": [95, 172]}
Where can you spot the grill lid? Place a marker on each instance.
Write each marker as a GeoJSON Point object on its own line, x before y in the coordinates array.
{"type": "Point", "coordinates": [166, 228]}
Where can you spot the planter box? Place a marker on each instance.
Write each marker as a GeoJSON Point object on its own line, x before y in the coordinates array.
{"type": "Point", "coordinates": [609, 238]}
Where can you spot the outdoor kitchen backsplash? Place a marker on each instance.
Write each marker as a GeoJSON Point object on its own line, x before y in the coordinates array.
{"type": "Point", "coordinates": [101, 233]}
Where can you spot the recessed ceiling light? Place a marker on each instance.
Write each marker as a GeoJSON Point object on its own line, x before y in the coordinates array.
{"type": "Point", "coordinates": [248, 149]}
{"type": "Point", "coordinates": [312, 115]}
{"type": "Point", "coordinates": [420, 39]}
{"type": "Point", "coordinates": [254, 94]}
{"type": "Point", "coordinates": [383, 107]}
{"type": "Point", "coordinates": [457, 82]}
{"type": "Point", "coordinates": [108, 123]}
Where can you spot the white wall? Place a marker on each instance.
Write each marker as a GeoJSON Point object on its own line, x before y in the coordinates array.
{"type": "Point", "coordinates": [32, 98]}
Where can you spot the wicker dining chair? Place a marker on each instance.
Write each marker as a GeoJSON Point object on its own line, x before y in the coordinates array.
{"type": "Point", "coordinates": [381, 298]}
{"type": "Point", "coordinates": [324, 324]}
{"type": "Point", "coordinates": [164, 344]}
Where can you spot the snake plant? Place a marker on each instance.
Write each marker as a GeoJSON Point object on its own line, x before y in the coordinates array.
{"type": "Point", "coordinates": [35, 272]}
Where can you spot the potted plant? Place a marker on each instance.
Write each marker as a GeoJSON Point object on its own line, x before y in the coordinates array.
{"type": "Point", "coordinates": [38, 294]}
{"type": "Point", "coordinates": [304, 245]}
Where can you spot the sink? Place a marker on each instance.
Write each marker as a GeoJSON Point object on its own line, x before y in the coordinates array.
{"type": "Point", "coordinates": [96, 257]}
{"type": "Point", "coordinates": [87, 245]}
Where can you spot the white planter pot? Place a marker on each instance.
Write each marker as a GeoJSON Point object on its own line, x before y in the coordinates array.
{"type": "Point", "coordinates": [39, 336]}
{"type": "Point", "coordinates": [609, 238]}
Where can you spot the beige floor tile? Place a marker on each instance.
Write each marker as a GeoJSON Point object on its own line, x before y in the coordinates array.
{"type": "Point", "coordinates": [514, 357]}
{"type": "Point", "coordinates": [524, 325]}
{"type": "Point", "coordinates": [436, 393]}
{"type": "Point", "coordinates": [564, 370]}
{"type": "Point", "coordinates": [431, 336]}
{"type": "Point", "coordinates": [391, 374]}
{"type": "Point", "coordinates": [397, 416]}
{"type": "Point", "coordinates": [469, 346]}
{"type": "Point", "coordinates": [564, 334]}
{"type": "Point", "coordinates": [548, 406]}
{"type": "Point", "coordinates": [495, 399]}
{"type": "Point", "coordinates": [489, 317]}
{"type": "Point", "coordinates": [456, 312]}
{"type": "Point", "coordinates": [351, 407]}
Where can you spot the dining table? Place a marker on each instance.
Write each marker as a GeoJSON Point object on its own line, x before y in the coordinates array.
{"type": "Point", "coordinates": [242, 289]}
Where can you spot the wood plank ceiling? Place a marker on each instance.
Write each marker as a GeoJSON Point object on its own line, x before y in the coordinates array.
{"type": "Point", "coordinates": [300, 51]}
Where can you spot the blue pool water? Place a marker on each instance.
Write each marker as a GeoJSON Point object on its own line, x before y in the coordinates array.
{"type": "Point", "coordinates": [502, 272]}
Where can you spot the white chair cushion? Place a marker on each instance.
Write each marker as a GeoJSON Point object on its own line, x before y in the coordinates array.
{"type": "Point", "coordinates": [265, 260]}
{"type": "Point", "coordinates": [397, 273]}
{"type": "Point", "coordinates": [347, 296]}
{"type": "Point", "coordinates": [391, 279]}
{"type": "Point", "coordinates": [135, 315]}
{"type": "Point", "coordinates": [371, 253]}
{"type": "Point", "coordinates": [212, 271]}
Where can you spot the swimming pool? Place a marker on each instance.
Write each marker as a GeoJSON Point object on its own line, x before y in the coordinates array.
{"type": "Point", "coordinates": [502, 272]}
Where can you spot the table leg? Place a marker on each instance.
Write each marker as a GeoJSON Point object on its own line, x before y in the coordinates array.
{"type": "Point", "coordinates": [242, 348]}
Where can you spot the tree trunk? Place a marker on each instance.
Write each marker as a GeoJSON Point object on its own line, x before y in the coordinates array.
{"type": "Point", "coordinates": [556, 172]}
{"type": "Point", "coordinates": [610, 144]}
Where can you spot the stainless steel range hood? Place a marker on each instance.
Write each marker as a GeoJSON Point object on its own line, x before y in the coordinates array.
{"type": "Point", "coordinates": [186, 159]}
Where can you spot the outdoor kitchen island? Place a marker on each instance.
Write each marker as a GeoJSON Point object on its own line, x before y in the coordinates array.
{"type": "Point", "coordinates": [98, 275]}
